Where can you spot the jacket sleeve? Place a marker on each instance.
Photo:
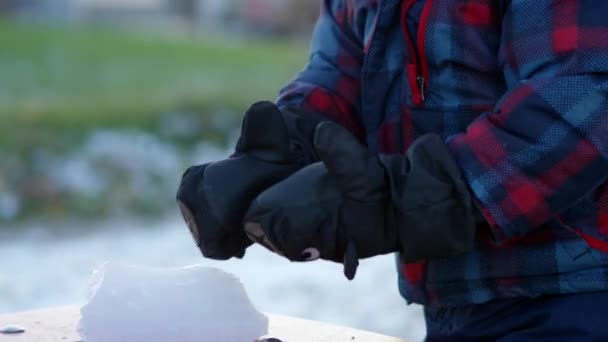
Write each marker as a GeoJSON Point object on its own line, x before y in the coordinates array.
{"type": "Point", "coordinates": [330, 83]}
{"type": "Point", "coordinates": [545, 144]}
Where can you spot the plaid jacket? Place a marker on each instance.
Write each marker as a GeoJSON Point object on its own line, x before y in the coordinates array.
{"type": "Point", "coordinates": [518, 89]}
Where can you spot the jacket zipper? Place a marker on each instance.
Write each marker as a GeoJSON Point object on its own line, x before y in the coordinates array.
{"type": "Point", "coordinates": [417, 67]}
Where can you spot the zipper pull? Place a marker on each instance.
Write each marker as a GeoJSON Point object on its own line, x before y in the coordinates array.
{"type": "Point", "coordinates": [420, 81]}
{"type": "Point", "coordinates": [414, 78]}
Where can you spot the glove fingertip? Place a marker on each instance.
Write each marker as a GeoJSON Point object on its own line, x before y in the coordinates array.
{"type": "Point", "coordinates": [351, 261]}
{"type": "Point", "coordinates": [190, 221]}
{"type": "Point", "coordinates": [240, 254]}
{"type": "Point", "coordinates": [256, 233]}
{"type": "Point", "coordinates": [264, 133]}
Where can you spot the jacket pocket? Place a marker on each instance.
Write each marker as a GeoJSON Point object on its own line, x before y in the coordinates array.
{"type": "Point", "coordinates": [442, 121]}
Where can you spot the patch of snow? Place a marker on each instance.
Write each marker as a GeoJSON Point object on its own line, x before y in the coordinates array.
{"type": "Point", "coordinates": [76, 173]}
{"type": "Point", "coordinates": [180, 124]}
{"type": "Point", "coordinates": [9, 205]}
{"type": "Point", "coordinates": [205, 152]}
{"type": "Point", "coordinates": [42, 270]}
{"type": "Point", "coordinates": [194, 303]}
{"type": "Point", "coordinates": [132, 150]}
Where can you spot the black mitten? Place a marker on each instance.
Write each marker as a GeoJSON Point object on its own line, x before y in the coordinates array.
{"type": "Point", "coordinates": [355, 205]}
{"type": "Point", "coordinates": [214, 197]}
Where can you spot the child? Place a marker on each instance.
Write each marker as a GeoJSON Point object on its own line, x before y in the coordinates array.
{"type": "Point", "coordinates": [468, 136]}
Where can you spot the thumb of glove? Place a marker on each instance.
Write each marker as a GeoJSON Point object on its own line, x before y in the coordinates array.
{"type": "Point", "coordinates": [357, 172]}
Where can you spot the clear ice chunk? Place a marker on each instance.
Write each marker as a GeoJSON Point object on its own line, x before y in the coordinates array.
{"type": "Point", "coordinates": [194, 303]}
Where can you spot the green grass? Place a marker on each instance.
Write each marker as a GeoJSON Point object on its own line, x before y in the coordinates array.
{"type": "Point", "coordinates": [78, 78]}
{"type": "Point", "coordinates": [57, 84]}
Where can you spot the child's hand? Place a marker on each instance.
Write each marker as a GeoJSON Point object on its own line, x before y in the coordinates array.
{"type": "Point", "coordinates": [355, 205]}
{"type": "Point", "coordinates": [214, 197]}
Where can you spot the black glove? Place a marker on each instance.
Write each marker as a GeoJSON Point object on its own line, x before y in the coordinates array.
{"type": "Point", "coordinates": [214, 197]}
{"type": "Point", "coordinates": [356, 205]}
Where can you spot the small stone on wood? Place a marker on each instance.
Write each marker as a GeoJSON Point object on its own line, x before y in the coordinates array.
{"type": "Point", "coordinates": [12, 329]}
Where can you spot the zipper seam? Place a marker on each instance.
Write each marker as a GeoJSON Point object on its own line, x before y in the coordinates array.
{"type": "Point", "coordinates": [411, 65]}
{"type": "Point", "coordinates": [419, 81]}
{"type": "Point", "coordinates": [413, 54]}
{"type": "Point", "coordinates": [424, 67]}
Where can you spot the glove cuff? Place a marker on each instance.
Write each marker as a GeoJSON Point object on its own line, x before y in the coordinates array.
{"type": "Point", "coordinates": [433, 210]}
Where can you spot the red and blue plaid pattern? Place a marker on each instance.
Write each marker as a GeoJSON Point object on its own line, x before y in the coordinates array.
{"type": "Point", "coordinates": [519, 91]}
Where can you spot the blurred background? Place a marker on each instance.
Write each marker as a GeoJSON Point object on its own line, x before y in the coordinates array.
{"type": "Point", "coordinates": [103, 104]}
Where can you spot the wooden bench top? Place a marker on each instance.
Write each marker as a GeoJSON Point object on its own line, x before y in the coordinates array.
{"type": "Point", "coordinates": [59, 324]}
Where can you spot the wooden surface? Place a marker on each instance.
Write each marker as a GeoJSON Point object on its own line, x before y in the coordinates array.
{"type": "Point", "coordinates": [59, 324]}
